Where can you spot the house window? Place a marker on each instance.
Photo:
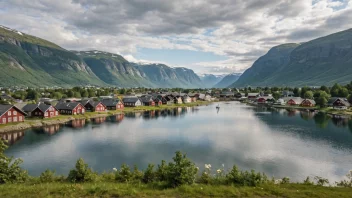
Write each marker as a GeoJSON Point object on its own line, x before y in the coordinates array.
{"type": "Point", "coordinates": [9, 119]}
{"type": "Point", "coordinates": [36, 113]}
{"type": "Point", "coordinates": [15, 119]}
{"type": "Point", "coordinates": [20, 118]}
{"type": "Point", "coordinates": [4, 120]}
{"type": "Point", "coordinates": [56, 113]}
{"type": "Point", "coordinates": [46, 114]}
{"type": "Point", "coordinates": [9, 113]}
{"type": "Point", "coordinates": [15, 113]}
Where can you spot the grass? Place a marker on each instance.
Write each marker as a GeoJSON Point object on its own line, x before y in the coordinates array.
{"type": "Point", "coordinates": [112, 189]}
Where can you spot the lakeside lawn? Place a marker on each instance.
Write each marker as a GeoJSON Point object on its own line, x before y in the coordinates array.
{"type": "Point", "coordinates": [113, 189]}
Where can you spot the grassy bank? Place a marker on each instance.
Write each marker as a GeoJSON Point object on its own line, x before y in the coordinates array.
{"type": "Point", "coordinates": [111, 189]}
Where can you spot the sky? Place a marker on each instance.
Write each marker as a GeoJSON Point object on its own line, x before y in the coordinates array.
{"type": "Point", "coordinates": [208, 36]}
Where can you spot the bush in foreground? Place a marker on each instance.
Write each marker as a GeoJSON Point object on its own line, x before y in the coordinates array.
{"type": "Point", "coordinates": [10, 170]}
{"type": "Point", "coordinates": [82, 173]}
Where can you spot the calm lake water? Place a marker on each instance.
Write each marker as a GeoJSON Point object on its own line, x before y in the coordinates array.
{"type": "Point", "coordinates": [277, 142]}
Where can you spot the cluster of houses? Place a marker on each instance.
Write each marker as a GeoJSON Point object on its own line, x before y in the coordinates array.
{"type": "Point", "coordinates": [73, 106]}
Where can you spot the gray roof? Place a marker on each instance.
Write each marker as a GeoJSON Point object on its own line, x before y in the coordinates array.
{"type": "Point", "coordinates": [146, 98]}
{"type": "Point", "coordinates": [5, 108]}
{"type": "Point", "coordinates": [109, 102]}
{"type": "Point", "coordinates": [130, 99]}
{"type": "Point", "coordinates": [31, 107]}
{"type": "Point", "coordinates": [66, 106]}
{"type": "Point", "coordinates": [343, 101]}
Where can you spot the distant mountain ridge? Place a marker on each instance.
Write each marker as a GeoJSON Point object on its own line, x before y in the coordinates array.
{"type": "Point", "coordinates": [27, 60]}
{"type": "Point", "coordinates": [209, 80]}
{"type": "Point", "coordinates": [228, 80]}
{"type": "Point", "coordinates": [323, 61]}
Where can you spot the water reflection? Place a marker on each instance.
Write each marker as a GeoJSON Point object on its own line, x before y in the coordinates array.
{"type": "Point", "coordinates": [12, 137]}
{"type": "Point", "coordinates": [275, 141]}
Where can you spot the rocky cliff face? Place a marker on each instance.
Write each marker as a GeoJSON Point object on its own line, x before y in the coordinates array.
{"type": "Point", "coordinates": [323, 61]}
{"type": "Point", "coordinates": [164, 76]}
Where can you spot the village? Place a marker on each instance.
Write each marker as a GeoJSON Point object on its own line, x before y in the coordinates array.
{"type": "Point", "coordinates": [50, 103]}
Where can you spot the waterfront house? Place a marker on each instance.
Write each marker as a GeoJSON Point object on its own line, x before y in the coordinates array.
{"type": "Point", "coordinates": [131, 102]}
{"type": "Point", "coordinates": [70, 108]}
{"type": "Point", "coordinates": [204, 97]}
{"type": "Point", "coordinates": [93, 106]}
{"type": "Point", "coordinates": [265, 99]}
{"type": "Point", "coordinates": [157, 102]}
{"type": "Point", "coordinates": [339, 103]}
{"type": "Point", "coordinates": [40, 110]}
{"type": "Point", "coordinates": [169, 100]}
{"type": "Point", "coordinates": [186, 99]}
{"type": "Point", "coordinates": [294, 101]}
{"type": "Point", "coordinates": [227, 94]}
{"type": "Point", "coordinates": [252, 96]}
{"type": "Point", "coordinates": [308, 103]}
{"type": "Point", "coordinates": [193, 97]}
{"type": "Point", "coordinates": [147, 100]}
{"type": "Point", "coordinates": [112, 104]}
{"type": "Point", "coordinates": [11, 113]}
{"type": "Point", "coordinates": [178, 100]}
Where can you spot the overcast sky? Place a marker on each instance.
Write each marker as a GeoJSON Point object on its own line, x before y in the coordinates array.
{"type": "Point", "coordinates": [208, 36]}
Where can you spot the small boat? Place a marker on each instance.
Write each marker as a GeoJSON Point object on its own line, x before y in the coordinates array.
{"type": "Point", "coordinates": [218, 107]}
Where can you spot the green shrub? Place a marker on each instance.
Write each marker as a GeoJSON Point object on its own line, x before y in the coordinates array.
{"type": "Point", "coordinates": [307, 181]}
{"type": "Point", "coordinates": [321, 181]}
{"type": "Point", "coordinates": [285, 180]}
{"type": "Point", "coordinates": [161, 172]}
{"type": "Point", "coordinates": [149, 174]}
{"type": "Point", "coordinates": [10, 170]}
{"type": "Point", "coordinates": [124, 174]}
{"type": "Point", "coordinates": [82, 173]}
{"type": "Point", "coordinates": [245, 178]}
{"type": "Point", "coordinates": [206, 177]}
{"type": "Point", "coordinates": [348, 182]}
{"type": "Point", "coordinates": [181, 172]}
{"type": "Point", "coordinates": [47, 176]}
{"type": "Point", "coordinates": [137, 175]}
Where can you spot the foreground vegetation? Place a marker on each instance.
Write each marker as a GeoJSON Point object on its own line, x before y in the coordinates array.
{"type": "Point", "coordinates": [177, 178]}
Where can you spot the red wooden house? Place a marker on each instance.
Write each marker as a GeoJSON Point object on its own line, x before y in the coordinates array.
{"type": "Point", "coordinates": [112, 104]}
{"type": "Point", "coordinates": [308, 103]}
{"type": "Point", "coordinates": [295, 101]}
{"type": "Point", "coordinates": [10, 113]}
{"type": "Point", "coordinates": [40, 110]}
{"type": "Point", "coordinates": [70, 108]}
{"type": "Point", "coordinates": [93, 106]}
{"type": "Point", "coordinates": [147, 100]}
{"type": "Point", "coordinates": [157, 102]}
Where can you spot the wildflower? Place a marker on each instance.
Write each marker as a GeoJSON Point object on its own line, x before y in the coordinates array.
{"type": "Point", "coordinates": [197, 168]}
{"type": "Point", "coordinates": [114, 169]}
{"type": "Point", "coordinates": [207, 166]}
{"type": "Point", "coordinates": [223, 165]}
{"type": "Point", "coordinates": [278, 181]}
{"type": "Point", "coordinates": [218, 171]}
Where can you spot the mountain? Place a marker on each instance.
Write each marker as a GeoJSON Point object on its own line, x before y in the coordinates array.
{"type": "Point", "coordinates": [228, 80]}
{"type": "Point", "coordinates": [164, 76]}
{"type": "Point", "coordinates": [113, 69]}
{"type": "Point", "coordinates": [27, 60]}
{"type": "Point", "coordinates": [323, 61]}
{"type": "Point", "coordinates": [31, 61]}
{"type": "Point", "coordinates": [209, 80]}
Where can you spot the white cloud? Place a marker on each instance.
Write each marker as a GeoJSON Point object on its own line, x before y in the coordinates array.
{"type": "Point", "coordinates": [238, 30]}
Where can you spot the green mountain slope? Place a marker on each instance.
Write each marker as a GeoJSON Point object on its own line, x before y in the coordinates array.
{"type": "Point", "coordinates": [30, 61]}
{"type": "Point", "coordinates": [164, 76]}
{"type": "Point", "coordinates": [113, 69]}
{"type": "Point", "coordinates": [228, 80]}
{"type": "Point", "coordinates": [323, 61]}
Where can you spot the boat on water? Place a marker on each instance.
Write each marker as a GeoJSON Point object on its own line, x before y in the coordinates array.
{"type": "Point", "coordinates": [218, 107]}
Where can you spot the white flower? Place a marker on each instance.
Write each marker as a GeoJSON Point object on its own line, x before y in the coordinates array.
{"type": "Point", "coordinates": [223, 165]}
{"type": "Point", "coordinates": [207, 166]}
{"type": "Point", "coordinates": [114, 169]}
{"type": "Point", "coordinates": [218, 171]}
{"type": "Point", "coordinates": [278, 181]}
{"type": "Point", "coordinates": [197, 168]}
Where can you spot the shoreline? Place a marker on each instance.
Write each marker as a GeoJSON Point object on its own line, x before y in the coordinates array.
{"type": "Point", "coordinates": [61, 119]}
